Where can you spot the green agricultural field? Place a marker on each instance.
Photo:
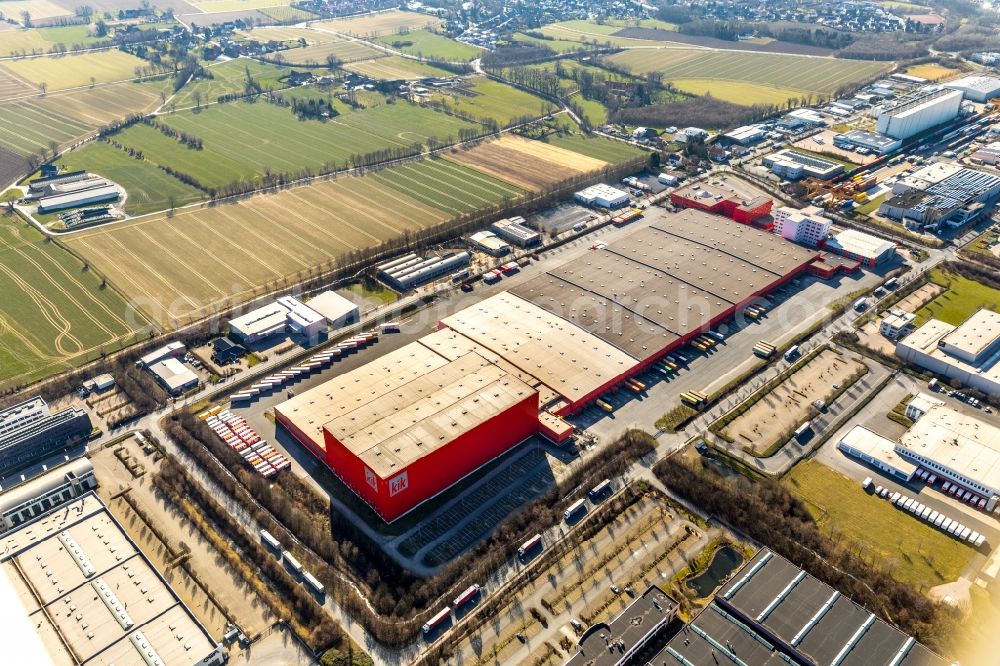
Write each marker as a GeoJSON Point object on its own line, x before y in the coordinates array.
{"type": "Point", "coordinates": [261, 136]}
{"type": "Point", "coordinates": [450, 187]}
{"type": "Point", "coordinates": [72, 71]}
{"type": "Point", "coordinates": [394, 68]}
{"type": "Point", "coordinates": [149, 189]}
{"type": "Point", "coordinates": [491, 99]}
{"type": "Point", "coordinates": [595, 112]}
{"type": "Point", "coordinates": [31, 124]}
{"type": "Point", "coordinates": [913, 551]}
{"type": "Point", "coordinates": [40, 40]}
{"type": "Point", "coordinates": [788, 72]}
{"type": "Point", "coordinates": [344, 50]}
{"type": "Point", "coordinates": [287, 14]}
{"type": "Point", "coordinates": [597, 147]}
{"type": "Point", "coordinates": [427, 44]}
{"type": "Point", "coordinates": [54, 314]}
{"type": "Point", "coordinates": [229, 78]}
{"type": "Point", "coordinates": [203, 258]}
{"type": "Point", "coordinates": [963, 298]}
{"type": "Point", "coordinates": [589, 32]}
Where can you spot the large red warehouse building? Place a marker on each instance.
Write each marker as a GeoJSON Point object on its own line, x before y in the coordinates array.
{"type": "Point", "coordinates": [744, 209]}
{"type": "Point", "coordinates": [406, 426]}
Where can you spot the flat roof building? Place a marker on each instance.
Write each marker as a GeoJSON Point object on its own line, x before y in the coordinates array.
{"type": "Point", "coordinates": [602, 195]}
{"type": "Point", "coordinates": [79, 198]}
{"type": "Point", "coordinates": [877, 143]}
{"type": "Point", "coordinates": [807, 226]}
{"type": "Point", "coordinates": [410, 271]}
{"type": "Point", "coordinates": [490, 243]}
{"type": "Point", "coordinates": [896, 323]}
{"type": "Point", "coordinates": [791, 164]}
{"type": "Point", "coordinates": [404, 428]}
{"type": "Point", "coordinates": [29, 432]}
{"type": "Point", "coordinates": [772, 613]}
{"type": "Point", "coordinates": [619, 642]}
{"type": "Point", "coordinates": [918, 111]}
{"type": "Point", "coordinates": [878, 451]}
{"type": "Point", "coordinates": [746, 135]}
{"type": "Point", "coordinates": [967, 353]}
{"type": "Point", "coordinates": [870, 250]}
{"type": "Point", "coordinates": [77, 590]}
{"type": "Point", "coordinates": [338, 310]}
{"type": "Point", "coordinates": [171, 350]}
{"type": "Point", "coordinates": [514, 231]}
{"type": "Point", "coordinates": [56, 487]}
{"type": "Point", "coordinates": [713, 197]}
{"type": "Point", "coordinates": [302, 319]}
{"type": "Point", "coordinates": [259, 324]}
{"type": "Point", "coordinates": [976, 88]}
{"type": "Point", "coordinates": [174, 375]}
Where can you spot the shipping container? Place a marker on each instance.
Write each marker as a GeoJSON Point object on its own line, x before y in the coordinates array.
{"type": "Point", "coordinates": [313, 583]}
{"type": "Point", "coordinates": [270, 541]}
{"type": "Point", "coordinates": [437, 620]}
{"type": "Point", "coordinates": [600, 489]}
{"type": "Point", "coordinates": [468, 595]}
{"type": "Point", "coordinates": [529, 545]}
{"type": "Point", "coordinates": [574, 508]}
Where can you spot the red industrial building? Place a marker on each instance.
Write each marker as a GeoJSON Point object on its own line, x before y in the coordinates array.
{"type": "Point", "coordinates": [401, 429]}
{"type": "Point", "coordinates": [411, 423]}
{"type": "Point", "coordinates": [723, 201]}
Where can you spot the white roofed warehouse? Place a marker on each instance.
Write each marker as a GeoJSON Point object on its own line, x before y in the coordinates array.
{"type": "Point", "coordinates": [602, 196]}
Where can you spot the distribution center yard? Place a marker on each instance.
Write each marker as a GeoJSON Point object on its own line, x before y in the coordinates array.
{"type": "Point", "coordinates": [380, 23]}
{"type": "Point", "coordinates": [913, 551]}
{"type": "Point", "coordinates": [533, 165]}
{"type": "Point", "coordinates": [71, 71]}
{"type": "Point", "coordinates": [54, 313]}
{"type": "Point", "coordinates": [788, 72]}
{"type": "Point", "coordinates": [184, 267]}
{"type": "Point", "coordinates": [787, 405]}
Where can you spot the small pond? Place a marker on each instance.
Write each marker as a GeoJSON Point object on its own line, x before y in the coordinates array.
{"type": "Point", "coordinates": [723, 563]}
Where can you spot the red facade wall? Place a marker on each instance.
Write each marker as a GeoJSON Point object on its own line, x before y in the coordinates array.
{"type": "Point", "coordinates": [428, 476]}
{"type": "Point", "coordinates": [731, 208]}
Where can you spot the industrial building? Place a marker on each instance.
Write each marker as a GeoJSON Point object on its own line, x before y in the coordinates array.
{"type": "Point", "coordinates": [967, 353]}
{"type": "Point", "coordinates": [174, 349]}
{"type": "Point", "coordinates": [77, 590]}
{"type": "Point", "coordinates": [896, 323]}
{"type": "Point", "coordinates": [39, 187]}
{"type": "Point", "coordinates": [286, 314]}
{"type": "Point", "coordinates": [976, 88]}
{"type": "Point", "coordinates": [772, 613]}
{"type": "Point", "coordinates": [602, 196]}
{"type": "Point", "coordinates": [514, 230]}
{"type": "Point", "coordinates": [619, 642]}
{"type": "Point", "coordinates": [717, 198]}
{"type": "Point", "coordinates": [86, 197]}
{"type": "Point", "coordinates": [405, 427]}
{"type": "Point", "coordinates": [174, 376]}
{"type": "Point", "coordinates": [410, 271]}
{"type": "Point", "coordinates": [29, 433]}
{"type": "Point", "coordinates": [877, 143]}
{"type": "Point", "coordinates": [942, 192]}
{"type": "Point", "coordinates": [807, 226]}
{"type": "Point", "coordinates": [337, 310]}
{"type": "Point", "coordinates": [408, 425]}
{"type": "Point", "coordinates": [792, 165]}
{"type": "Point", "coordinates": [259, 324]}
{"type": "Point", "coordinates": [912, 114]}
{"type": "Point", "coordinates": [490, 243]}
{"type": "Point", "coordinates": [955, 447]}
{"type": "Point", "coordinates": [302, 320]}
{"type": "Point", "coordinates": [870, 251]}
{"type": "Point", "coordinates": [53, 488]}
{"type": "Point", "coordinates": [745, 136]}
{"type": "Point", "coordinates": [988, 154]}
